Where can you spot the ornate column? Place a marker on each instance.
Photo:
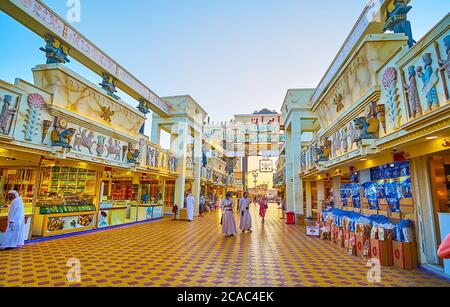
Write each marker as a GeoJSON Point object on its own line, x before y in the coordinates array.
{"type": "Point", "coordinates": [296, 155]}
{"type": "Point", "coordinates": [178, 146]}
{"type": "Point", "coordinates": [155, 137]}
{"type": "Point", "coordinates": [320, 192]}
{"type": "Point", "coordinates": [289, 171]}
{"type": "Point", "coordinates": [197, 170]}
{"type": "Point", "coordinates": [336, 189]}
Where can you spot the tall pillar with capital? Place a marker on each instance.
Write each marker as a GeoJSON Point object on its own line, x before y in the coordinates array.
{"type": "Point", "coordinates": [156, 130]}
{"type": "Point", "coordinates": [336, 190]}
{"type": "Point", "coordinates": [320, 193]}
{"type": "Point", "coordinates": [197, 170]}
{"type": "Point", "coordinates": [178, 145]}
{"type": "Point", "coordinates": [289, 171]}
{"type": "Point", "coordinates": [296, 155]}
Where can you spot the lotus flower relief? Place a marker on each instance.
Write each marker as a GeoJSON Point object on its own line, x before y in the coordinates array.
{"type": "Point", "coordinates": [392, 101]}
{"type": "Point", "coordinates": [37, 101]}
{"type": "Point", "coordinates": [389, 77]}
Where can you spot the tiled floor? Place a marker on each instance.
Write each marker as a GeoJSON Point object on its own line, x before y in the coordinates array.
{"type": "Point", "coordinates": [173, 253]}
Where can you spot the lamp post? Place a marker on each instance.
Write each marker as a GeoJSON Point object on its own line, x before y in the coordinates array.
{"type": "Point", "coordinates": [255, 177]}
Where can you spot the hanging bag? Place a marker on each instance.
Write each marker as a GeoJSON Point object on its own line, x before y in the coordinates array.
{"type": "Point", "coordinates": [444, 249]}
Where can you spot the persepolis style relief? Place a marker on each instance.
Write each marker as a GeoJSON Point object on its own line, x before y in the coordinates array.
{"type": "Point", "coordinates": [356, 79]}
{"type": "Point", "coordinates": [78, 97]}
{"type": "Point", "coordinates": [8, 111]}
{"type": "Point", "coordinates": [413, 83]}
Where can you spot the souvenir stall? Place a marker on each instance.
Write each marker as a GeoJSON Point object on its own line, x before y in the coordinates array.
{"type": "Point", "coordinates": [120, 192]}
{"type": "Point", "coordinates": [67, 199]}
{"type": "Point", "coordinates": [376, 216]}
{"type": "Point", "coordinates": [150, 204]}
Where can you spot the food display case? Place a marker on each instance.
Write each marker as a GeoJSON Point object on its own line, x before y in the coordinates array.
{"type": "Point", "coordinates": [63, 215]}
{"type": "Point", "coordinates": [145, 212]}
{"type": "Point", "coordinates": [112, 214]}
{"type": "Point", "coordinates": [65, 202]}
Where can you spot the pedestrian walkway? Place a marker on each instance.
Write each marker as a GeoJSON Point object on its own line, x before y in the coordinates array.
{"type": "Point", "coordinates": [174, 253]}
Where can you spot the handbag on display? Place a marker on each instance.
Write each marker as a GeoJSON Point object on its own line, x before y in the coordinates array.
{"type": "Point", "coordinates": [444, 249]}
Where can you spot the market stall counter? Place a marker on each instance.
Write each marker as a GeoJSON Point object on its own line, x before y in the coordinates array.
{"type": "Point", "coordinates": [145, 212]}
{"type": "Point", "coordinates": [112, 214]}
{"type": "Point", "coordinates": [60, 216]}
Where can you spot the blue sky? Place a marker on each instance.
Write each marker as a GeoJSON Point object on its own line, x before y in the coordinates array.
{"type": "Point", "coordinates": [232, 56]}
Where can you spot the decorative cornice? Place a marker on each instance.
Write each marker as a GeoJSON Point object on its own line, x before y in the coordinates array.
{"type": "Point", "coordinates": [430, 129]}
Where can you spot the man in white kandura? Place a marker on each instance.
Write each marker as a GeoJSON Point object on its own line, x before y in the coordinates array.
{"type": "Point", "coordinates": [190, 201]}
{"type": "Point", "coordinates": [14, 236]}
{"type": "Point", "coordinates": [246, 219]}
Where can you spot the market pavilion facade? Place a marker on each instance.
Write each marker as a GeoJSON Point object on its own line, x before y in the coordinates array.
{"type": "Point", "coordinates": [380, 117]}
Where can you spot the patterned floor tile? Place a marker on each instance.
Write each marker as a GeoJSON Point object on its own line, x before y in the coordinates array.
{"type": "Point", "coordinates": [170, 253]}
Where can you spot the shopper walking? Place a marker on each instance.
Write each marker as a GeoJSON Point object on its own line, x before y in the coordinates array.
{"type": "Point", "coordinates": [228, 222]}
{"type": "Point", "coordinates": [263, 206]}
{"type": "Point", "coordinates": [15, 232]}
{"type": "Point", "coordinates": [190, 202]}
{"type": "Point", "coordinates": [246, 219]}
{"type": "Point", "coordinates": [202, 204]}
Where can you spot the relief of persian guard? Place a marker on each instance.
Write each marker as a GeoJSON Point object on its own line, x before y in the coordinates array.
{"type": "Point", "coordinates": [445, 64]}
{"type": "Point", "coordinates": [6, 114]}
{"type": "Point", "coordinates": [344, 140]}
{"type": "Point", "coordinates": [430, 79]}
{"type": "Point", "coordinates": [100, 145]}
{"type": "Point", "coordinates": [413, 95]}
{"type": "Point", "coordinates": [336, 143]}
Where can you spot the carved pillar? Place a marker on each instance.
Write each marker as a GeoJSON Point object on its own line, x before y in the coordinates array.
{"type": "Point", "coordinates": [320, 193]}
{"type": "Point", "coordinates": [155, 137]}
{"type": "Point", "coordinates": [179, 147]}
{"type": "Point", "coordinates": [196, 188]}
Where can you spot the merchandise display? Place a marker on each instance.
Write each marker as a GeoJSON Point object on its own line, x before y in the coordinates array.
{"type": "Point", "coordinates": [365, 236]}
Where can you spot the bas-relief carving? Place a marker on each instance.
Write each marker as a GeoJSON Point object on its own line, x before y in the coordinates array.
{"type": "Point", "coordinates": [8, 111]}
{"type": "Point", "coordinates": [444, 63]}
{"type": "Point", "coordinates": [354, 82]}
{"type": "Point", "coordinates": [391, 96]}
{"type": "Point", "coordinates": [36, 104]}
{"type": "Point", "coordinates": [78, 98]}
{"type": "Point", "coordinates": [412, 93]}
{"type": "Point", "coordinates": [430, 79]}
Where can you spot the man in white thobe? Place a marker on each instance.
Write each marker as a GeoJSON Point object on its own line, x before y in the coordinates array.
{"type": "Point", "coordinates": [190, 207]}
{"type": "Point", "coordinates": [14, 236]}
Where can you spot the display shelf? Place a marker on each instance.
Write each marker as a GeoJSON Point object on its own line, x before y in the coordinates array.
{"type": "Point", "coordinates": [68, 180]}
